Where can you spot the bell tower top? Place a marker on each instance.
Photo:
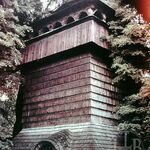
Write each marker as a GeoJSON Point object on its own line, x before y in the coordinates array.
{"type": "Point", "coordinates": [75, 23]}
{"type": "Point", "coordinates": [73, 11]}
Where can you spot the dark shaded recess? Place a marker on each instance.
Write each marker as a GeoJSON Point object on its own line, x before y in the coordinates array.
{"type": "Point", "coordinates": [57, 25]}
{"type": "Point", "coordinates": [70, 19]}
{"type": "Point", "coordinates": [44, 145]}
{"type": "Point", "coordinates": [27, 36]}
{"type": "Point", "coordinates": [35, 33]}
{"type": "Point", "coordinates": [136, 120]}
{"type": "Point", "coordinates": [128, 86]}
{"type": "Point", "coordinates": [83, 14]}
{"type": "Point", "coordinates": [98, 14]}
{"type": "Point", "coordinates": [86, 48]}
{"type": "Point", "coordinates": [135, 59]}
{"type": "Point", "coordinates": [45, 29]}
{"type": "Point", "coordinates": [19, 107]}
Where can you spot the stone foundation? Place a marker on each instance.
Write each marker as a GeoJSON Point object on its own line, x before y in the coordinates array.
{"type": "Point", "coordinates": [84, 136]}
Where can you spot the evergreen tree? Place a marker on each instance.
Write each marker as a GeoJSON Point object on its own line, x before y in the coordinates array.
{"type": "Point", "coordinates": [11, 42]}
{"type": "Point", "coordinates": [130, 54]}
{"type": "Point", "coordinates": [28, 10]}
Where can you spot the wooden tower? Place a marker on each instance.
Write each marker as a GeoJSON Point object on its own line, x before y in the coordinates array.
{"type": "Point", "coordinates": [69, 98]}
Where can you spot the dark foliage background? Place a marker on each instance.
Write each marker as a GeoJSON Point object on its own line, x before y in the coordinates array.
{"type": "Point", "coordinates": [130, 41]}
{"type": "Point", "coordinates": [130, 36]}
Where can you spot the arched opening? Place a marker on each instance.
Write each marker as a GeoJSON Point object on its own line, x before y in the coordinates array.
{"type": "Point", "coordinates": [99, 15]}
{"type": "Point", "coordinates": [70, 19]}
{"type": "Point", "coordinates": [82, 15]}
{"type": "Point", "coordinates": [57, 25]}
{"type": "Point", "coordinates": [45, 29]}
{"type": "Point", "coordinates": [44, 145]}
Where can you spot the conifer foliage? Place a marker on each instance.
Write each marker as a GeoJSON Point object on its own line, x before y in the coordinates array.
{"type": "Point", "coordinates": [28, 10]}
{"type": "Point", "coordinates": [11, 34]}
{"type": "Point", "coordinates": [130, 39]}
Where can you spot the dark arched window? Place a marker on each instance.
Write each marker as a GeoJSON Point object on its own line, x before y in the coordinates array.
{"type": "Point", "coordinates": [70, 19]}
{"type": "Point", "coordinates": [44, 145]}
{"type": "Point", "coordinates": [45, 29]}
{"type": "Point", "coordinates": [57, 25]}
{"type": "Point", "coordinates": [83, 14]}
{"type": "Point", "coordinates": [98, 14]}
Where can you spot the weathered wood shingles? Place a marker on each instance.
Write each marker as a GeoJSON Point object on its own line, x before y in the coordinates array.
{"type": "Point", "coordinates": [58, 93]}
{"type": "Point", "coordinates": [88, 31]}
{"type": "Point", "coordinates": [104, 95]}
{"type": "Point", "coordinates": [74, 90]}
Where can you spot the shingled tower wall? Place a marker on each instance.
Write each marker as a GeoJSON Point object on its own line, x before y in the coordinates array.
{"type": "Point", "coordinates": [69, 98]}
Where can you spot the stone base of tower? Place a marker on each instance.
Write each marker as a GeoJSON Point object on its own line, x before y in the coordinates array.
{"type": "Point", "coordinates": [85, 136]}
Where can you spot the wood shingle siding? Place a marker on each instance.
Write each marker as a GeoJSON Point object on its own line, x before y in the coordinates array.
{"type": "Point", "coordinates": [75, 89]}
{"type": "Point", "coordinates": [89, 31]}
